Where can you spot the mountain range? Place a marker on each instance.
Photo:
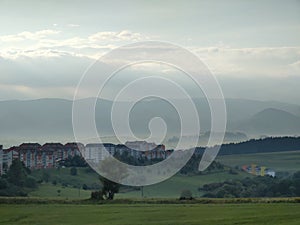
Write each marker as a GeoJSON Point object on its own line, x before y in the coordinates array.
{"type": "Point", "coordinates": [51, 119]}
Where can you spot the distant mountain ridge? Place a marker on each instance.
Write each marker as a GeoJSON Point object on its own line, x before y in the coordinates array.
{"type": "Point", "coordinates": [51, 119]}
{"type": "Point", "coordinates": [273, 122]}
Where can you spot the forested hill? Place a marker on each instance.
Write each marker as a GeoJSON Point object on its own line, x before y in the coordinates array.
{"type": "Point", "coordinates": [270, 144]}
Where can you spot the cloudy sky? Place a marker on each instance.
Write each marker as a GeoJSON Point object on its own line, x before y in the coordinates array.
{"type": "Point", "coordinates": [253, 47]}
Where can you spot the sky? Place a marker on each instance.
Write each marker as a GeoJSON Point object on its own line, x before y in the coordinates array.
{"type": "Point", "coordinates": [252, 47]}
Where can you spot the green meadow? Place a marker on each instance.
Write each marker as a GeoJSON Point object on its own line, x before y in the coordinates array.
{"type": "Point", "coordinates": [278, 161]}
{"type": "Point", "coordinates": [159, 205]}
{"type": "Point", "coordinates": [131, 214]}
{"type": "Point", "coordinates": [170, 188]}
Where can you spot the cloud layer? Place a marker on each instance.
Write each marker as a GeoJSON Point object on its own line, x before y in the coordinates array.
{"type": "Point", "coordinates": [48, 63]}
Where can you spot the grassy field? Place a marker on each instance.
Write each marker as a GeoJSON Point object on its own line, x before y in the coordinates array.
{"type": "Point", "coordinates": [50, 191]}
{"type": "Point", "coordinates": [279, 161]}
{"type": "Point", "coordinates": [173, 214]}
{"type": "Point", "coordinates": [63, 175]}
{"type": "Point", "coordinates": [170, 188]}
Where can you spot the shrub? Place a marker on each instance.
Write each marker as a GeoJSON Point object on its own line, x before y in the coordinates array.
{"type": "Point", "coordinates": [85, 187]}
{"type": "Point", "coordinates": [46, 176]}
{"type": "Point", "coordinates": [233, 172]}
{"type": "Point", "coordinates": [73, 171]}
{"type": "Point", "coordinates": [97, 195]}
{"type": "Point", "coordinates": [186, 195]}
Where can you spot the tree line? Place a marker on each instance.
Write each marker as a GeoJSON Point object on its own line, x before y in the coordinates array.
{"type": "Point", "coordinates": [269, 144]}
{"type": "Point", "coordinates": [17, 181]}
{"type": "Point", "coordinates": [254, 187]}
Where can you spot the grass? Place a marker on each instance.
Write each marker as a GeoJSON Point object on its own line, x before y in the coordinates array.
{"type": "Point", "coordinates": [50, 191]}
{"type": "Point", "coordinates": [172, 187]}
{"type": "Point", "coordinates": [279, 161]}
{"type": "Point", "coordinates": [146, 214]}
{"type": "Point", "coordinates": [63, 175]}
{"type": "Point", "coordinates": [130, 209]}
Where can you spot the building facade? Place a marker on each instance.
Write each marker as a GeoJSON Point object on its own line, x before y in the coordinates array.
{"type": "Point", "coordinates": [137, 149]}
{"type": "Point", "coordinates": [35, 156]}
{"type": "Point", "coordinates": [50, 155]}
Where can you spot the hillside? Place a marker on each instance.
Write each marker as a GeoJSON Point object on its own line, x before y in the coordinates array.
{"type": "Point", "coordinates": [273, 122]}
{"type": "Point", "coordinates": [265, 145]}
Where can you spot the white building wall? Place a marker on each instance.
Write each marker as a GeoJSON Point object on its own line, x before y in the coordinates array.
{"type": "Point", "coordinates": [93, 153]}
{"type": "Point", "coordinates": [8, 158]}
{"type": "Point", "coordinates": [271, 173]}
{"type": "Point", "coordinates": [97, 152]}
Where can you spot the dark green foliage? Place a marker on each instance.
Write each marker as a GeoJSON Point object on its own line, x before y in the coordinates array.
{"type": "Point", "coordinates": [30, 182]}
{"type": "Point", "coordinates": [76, 161]}
{"type": "Point", "coordinates": [46, 176]}
{"type": "Point", "coordinates": [84, 187]}
{"type": "Point", "coordinates": [254, 187]}
{"type": "Point", "coordinates": [296, 175]}
{"type": "Point", "coordinates": [109, 188]}
{"type": "Point", "coordinates": [232, 171]}
{"type": "Point", "coordinates": [73, 171]}
{"type": "Point", "coordinates": [17, 181]}
{"type": "Point", "coordinates": [93, 186]}
{"type": "Point", "coordinates": [186, 195]}
{"type": "Point", "coordinates": [97, 195]}
{"type": "Point", "coordinates": [17, 173]}
{"type": "Point", "coordinates": [3, 183]}
{"type": "Point", "coordinates": [191, 167]}
{"type": "Point", "coordinates": [270, 144]}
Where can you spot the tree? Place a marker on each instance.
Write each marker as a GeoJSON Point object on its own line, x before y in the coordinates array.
{"type": "Point", "coordinates": [186, 195]}
{"type": "Point", "coordinates": [113, 169]}
{"type": "Point", "coordinates": [46, 176]}
{"type": "Point", "coordinates": [109, 188]}
{"type": "Point", "coordinates": [75, 161]}
{"type": "Point", "coordinates": [97, 195]}
{"type": "Point", "coordinates": [30, 182]}
{"type": "Point", "coordinates": [3, 183]}
{"type": "Point", "coordinates": [17, 173]}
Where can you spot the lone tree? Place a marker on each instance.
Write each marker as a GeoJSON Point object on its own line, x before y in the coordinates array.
{"type": "Point", "coordinates": [109, 188]}
{"type": "Point", "coordinates": [111, 168]}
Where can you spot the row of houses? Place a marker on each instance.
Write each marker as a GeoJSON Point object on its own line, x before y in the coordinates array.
{"type": "Point", "coordinates": [258, 170]}
{"type": "Point", "coordinates": [49, 155]}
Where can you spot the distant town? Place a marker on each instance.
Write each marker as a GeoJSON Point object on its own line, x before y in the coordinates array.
{"type": "Point", "coordinates": [50, 155]}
